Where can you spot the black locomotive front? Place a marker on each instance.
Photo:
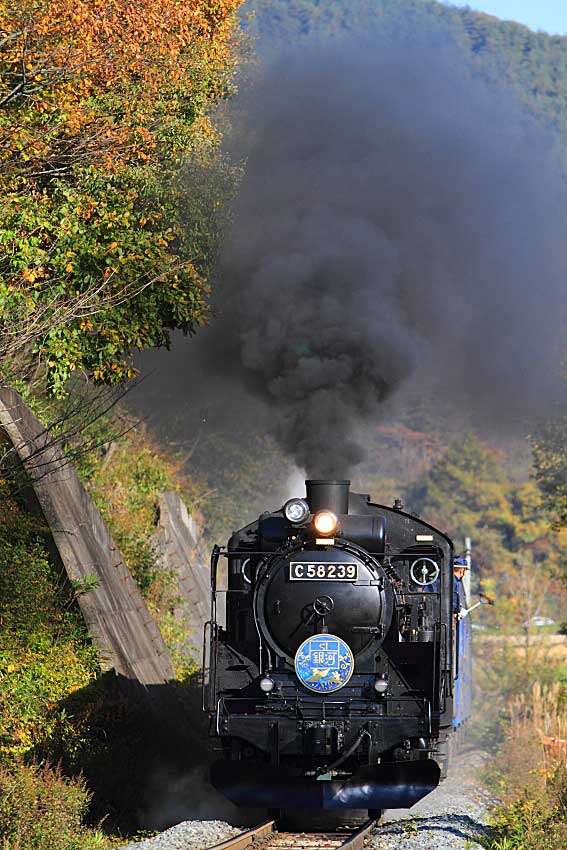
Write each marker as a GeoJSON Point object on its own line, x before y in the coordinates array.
{"type": "Point", "coordinates": [330, 684]}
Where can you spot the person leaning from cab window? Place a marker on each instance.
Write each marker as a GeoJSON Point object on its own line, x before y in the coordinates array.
{"type": "Point", "coordinates": [460, 567]}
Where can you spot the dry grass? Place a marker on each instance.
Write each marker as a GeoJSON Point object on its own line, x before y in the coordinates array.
{"type": "Point", "coordinates": [542, 712]}
{"type": "Point", "coordinates": [530, 775]}
{"type": "Point", "coordinates": [544, 647]}
{"type": "Point", "coordinates": [525, 766]}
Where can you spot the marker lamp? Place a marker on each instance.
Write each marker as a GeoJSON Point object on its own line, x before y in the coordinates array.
{"type": "Point", "coordinates": [266, 684]}
{"type": "Point", "coordinates": [325, 522]}
{"type": "Point", "coordinates": [296, 510]}
{"type": "Point", "coordinates": [381, 683]}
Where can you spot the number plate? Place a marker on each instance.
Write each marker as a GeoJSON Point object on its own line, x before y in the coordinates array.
{"type": "Point", "coordinates": [322, 571]}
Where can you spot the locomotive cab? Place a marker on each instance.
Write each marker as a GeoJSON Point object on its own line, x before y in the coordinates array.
{"type": "Point", "coordinates": [331, 684]}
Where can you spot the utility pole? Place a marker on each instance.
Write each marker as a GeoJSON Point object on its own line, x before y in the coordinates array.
{"type": "Point", "coordinates": [467, 576]}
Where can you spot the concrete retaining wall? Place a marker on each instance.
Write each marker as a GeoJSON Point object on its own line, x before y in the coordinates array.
{"type": "Point", "coordinates": [178, 545]}
{"type": "Point", "coordinates": [121, 626]}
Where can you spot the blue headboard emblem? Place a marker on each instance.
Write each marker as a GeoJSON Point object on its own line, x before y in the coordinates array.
{"type": "Point", "coordinates": [324, 663]}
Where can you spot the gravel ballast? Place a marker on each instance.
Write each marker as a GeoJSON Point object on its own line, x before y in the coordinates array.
{"type": "Point", "coordinates": [189, 835]}
{"type": "Point", "coordinates": [453, 817]}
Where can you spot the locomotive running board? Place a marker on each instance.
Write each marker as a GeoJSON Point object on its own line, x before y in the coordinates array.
{"type": "Point", "coordinates": [397, 785]}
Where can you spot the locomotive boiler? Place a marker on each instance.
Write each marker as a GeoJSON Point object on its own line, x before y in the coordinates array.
{"type": "Point", "coordinates": [331, 682]}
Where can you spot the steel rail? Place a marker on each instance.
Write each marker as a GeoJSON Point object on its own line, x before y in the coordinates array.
{"type": "Point", "coordinates": [357, 839]}
{"type": "Point", "coordinates": [269, 837]}
{"type": "Point", "coordinates": [249, 836]}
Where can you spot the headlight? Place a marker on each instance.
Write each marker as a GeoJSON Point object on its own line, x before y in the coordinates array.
{"type": "Point", "coordinates": [296, 510]}
{"type": "Point", "coordinates": [266, 684]}
{"type": "Point", "coordinates": [325, 522]}
{"type": "Point", "coordinates": [381, 683]}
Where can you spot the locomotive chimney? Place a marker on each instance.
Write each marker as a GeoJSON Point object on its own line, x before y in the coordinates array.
{"type": "Point", "coordinates": [328, 496]}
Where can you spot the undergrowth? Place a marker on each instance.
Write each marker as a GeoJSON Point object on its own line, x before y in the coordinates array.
{"type": "Point", "coordinates": [45, 651]}
{"type": "Point", "coordinates": [529, 774]}
{"type": "Point", "coordinates": [527, 825]}
{"type": "Point", "coordinates": [40, 809]}
{"type": "Point", "coordinates": [45, 655]}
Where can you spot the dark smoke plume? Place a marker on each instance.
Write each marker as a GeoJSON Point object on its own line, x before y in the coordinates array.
{"type": "Point", "coordinates": [400, 220]}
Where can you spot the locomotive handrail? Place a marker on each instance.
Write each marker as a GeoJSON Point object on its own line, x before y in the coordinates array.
{"type": "Point", "coordinates": [225, 553]}
{"type": "Point", "coordinates": [213, 660]}
{"type": "Point", "coordinates": [441, 628]}
{"type": "Point", "coordinates": [347, 704]}
{"type": "Point", "coordinates": [215, 554]}
{"type": "Point", "coordinates": [206, 672]}
{"type": "Point", "coordinates": [220, 702]}
{"type": "Point", "coordinates": [209, 684]}
{"type": "Point", "coordinates": [212, 684]}
{"type": "Point", "coordinates": [436, 659]}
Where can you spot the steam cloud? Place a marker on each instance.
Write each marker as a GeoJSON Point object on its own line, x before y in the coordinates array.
{"type": "Point", "coordinates": [399, 218]}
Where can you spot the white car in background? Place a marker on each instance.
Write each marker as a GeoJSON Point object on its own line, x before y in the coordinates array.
{"type": "Point", "coordinates": [539, 621]}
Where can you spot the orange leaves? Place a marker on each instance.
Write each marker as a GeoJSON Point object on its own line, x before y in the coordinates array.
{"type": "Point", "coordinates": [101, 75]}
{"type": "Point", "coordinates": [114, 97]}
{"type": "Point", "coordinates": [30, 275]}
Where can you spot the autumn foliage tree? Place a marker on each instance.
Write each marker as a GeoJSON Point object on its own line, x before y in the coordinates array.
{"type": "Point", "coordinates": [469, 493]}
{"type": "Point", "coordinates": [102, 248]}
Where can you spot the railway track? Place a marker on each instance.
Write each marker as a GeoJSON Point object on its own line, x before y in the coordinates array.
{"type": "Point", "coordinates": [268, 836]}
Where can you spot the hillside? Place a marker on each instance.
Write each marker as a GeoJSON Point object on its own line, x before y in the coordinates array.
{"type": "Point", "coordinates": [534, 63]}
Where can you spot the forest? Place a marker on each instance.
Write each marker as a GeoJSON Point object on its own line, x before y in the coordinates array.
{"type": "Point", "coordinates": [533, 63]}
{"type": "Point", "coordinates": [115, 190]}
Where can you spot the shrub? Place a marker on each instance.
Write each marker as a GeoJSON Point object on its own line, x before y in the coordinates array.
{"type": "Point", "coordinates": [529, 776]}
{"type": "Point", "coordinates": [45, 651]}
{"type": "Point", "coordinates": [41, 810]}
{"type": "Point", "coordinates": [527, 825]}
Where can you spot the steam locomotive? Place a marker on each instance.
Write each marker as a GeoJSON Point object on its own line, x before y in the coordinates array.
{"type": "Point", "coordinates": [336, 680]}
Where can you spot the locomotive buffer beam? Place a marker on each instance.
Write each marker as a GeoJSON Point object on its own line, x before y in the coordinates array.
{"type": "Point", "coordinates": [396, 785]}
